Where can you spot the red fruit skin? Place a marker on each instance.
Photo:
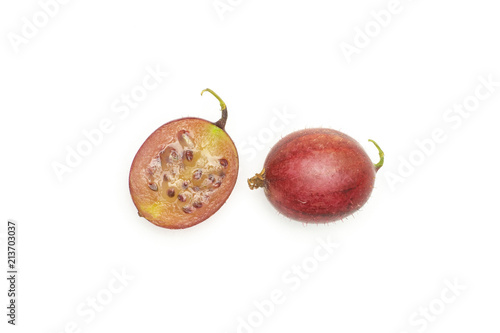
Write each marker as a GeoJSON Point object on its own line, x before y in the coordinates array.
{"type": "Point", "coordinates": [318, 175]}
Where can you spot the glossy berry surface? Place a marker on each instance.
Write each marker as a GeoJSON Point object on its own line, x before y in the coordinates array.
{"type": "Point", "coordinates": [317, 175]}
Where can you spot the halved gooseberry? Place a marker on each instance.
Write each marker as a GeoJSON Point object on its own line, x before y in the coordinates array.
{"type": "Point", "coordinates": [184, 172]}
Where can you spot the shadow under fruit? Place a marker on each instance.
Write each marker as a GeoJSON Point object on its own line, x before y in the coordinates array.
{"type": "Point", "coordinates": [184, 172]}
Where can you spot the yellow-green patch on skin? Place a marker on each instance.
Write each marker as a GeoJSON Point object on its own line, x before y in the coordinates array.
{"type": "Point", "coordinates": [217, 131]}
{"type": "Point", "coordinates": [154, 209]}
{"type": "Point", "coordinates": [213, 136]}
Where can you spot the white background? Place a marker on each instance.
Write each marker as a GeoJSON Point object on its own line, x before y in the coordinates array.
{"type": "Point", "coordinates": [440, 223]}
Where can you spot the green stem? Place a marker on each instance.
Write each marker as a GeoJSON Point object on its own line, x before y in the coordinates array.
{"type": "Point", "coordinates": [222, 121]}
{"type": "Point", "coordinates": [381, 154]}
